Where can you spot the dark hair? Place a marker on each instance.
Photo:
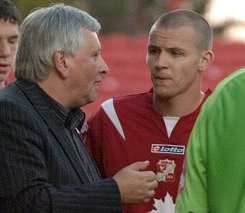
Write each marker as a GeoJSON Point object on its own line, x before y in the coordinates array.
{"type": "Point", "coordinates": [8, 12]}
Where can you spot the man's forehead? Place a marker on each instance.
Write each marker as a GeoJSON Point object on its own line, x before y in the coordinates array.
{"type": "Point", "coordinates": [9, 29]}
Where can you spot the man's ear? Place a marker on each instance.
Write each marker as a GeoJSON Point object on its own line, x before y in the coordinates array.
{"type": "Point", "coordinates": [60, 63]}
{"type": "Point", "coordinates": [206, 60]}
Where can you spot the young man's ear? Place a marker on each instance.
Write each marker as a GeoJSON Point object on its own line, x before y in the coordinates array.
{"type": "Point", "coordinates": [206, 60]}
{"type": "Point", "coordinates": [60, 63]}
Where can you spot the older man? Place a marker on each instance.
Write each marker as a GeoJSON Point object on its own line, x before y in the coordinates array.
{"type": "Point", "coordinates": [44, 164]}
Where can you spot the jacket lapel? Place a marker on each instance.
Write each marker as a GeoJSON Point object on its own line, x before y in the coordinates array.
{"type": "Point", "coordinates": [41, 106]}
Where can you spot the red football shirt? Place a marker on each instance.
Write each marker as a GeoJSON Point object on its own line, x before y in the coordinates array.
{"type": "Point", "coordinates": [126, 130]}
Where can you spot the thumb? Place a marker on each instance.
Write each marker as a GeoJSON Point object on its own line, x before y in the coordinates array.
{"type": "Point", "coordinates": [140, 165]}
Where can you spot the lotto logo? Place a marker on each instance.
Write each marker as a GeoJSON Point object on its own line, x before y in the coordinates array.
{"type": "Point", "coordinates": [169, 149]}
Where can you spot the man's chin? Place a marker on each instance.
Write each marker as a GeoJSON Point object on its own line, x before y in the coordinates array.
{"type": "Point", "coordinates": [88, 100]}
{"type": "Point", "coordinates": [91, 99]}
{"type": "Point", "coordinates": [4, 76]}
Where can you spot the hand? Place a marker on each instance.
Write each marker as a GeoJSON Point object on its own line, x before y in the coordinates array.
{"type": "Point", "coordinates": [136, 185]}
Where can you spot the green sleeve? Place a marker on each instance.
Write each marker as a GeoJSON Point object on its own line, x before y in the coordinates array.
{"type": "Point", "coordinates": [194, 199]}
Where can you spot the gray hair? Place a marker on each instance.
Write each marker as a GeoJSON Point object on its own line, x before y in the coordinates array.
{"type": "Point", "coordinates": [181, 17]}
{"type": "Point", "coordinates": [46, 30]}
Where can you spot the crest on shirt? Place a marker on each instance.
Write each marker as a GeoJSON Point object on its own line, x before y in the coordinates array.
{"type": "Point", "coordinates": [165, 170]}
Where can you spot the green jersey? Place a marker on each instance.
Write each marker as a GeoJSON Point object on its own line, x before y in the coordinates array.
{"type": "Point", "coordinates": [214, 180]}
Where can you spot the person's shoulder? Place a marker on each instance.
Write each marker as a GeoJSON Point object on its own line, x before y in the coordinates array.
{"type": "Point", "coordinates": [122, 102]}
{"type": "Point", "coordinates": [125, 102]}
{"type": "Point", "coordinates": [234, 81]}
{"type": "Point", "coordinates": [10, 92]}
{"type": "Point", "coordinates": [13, 103]}
{"type": "Point", "coordinates": [13, 96]}
{"type": "Point", "coordinates": [228, 96]}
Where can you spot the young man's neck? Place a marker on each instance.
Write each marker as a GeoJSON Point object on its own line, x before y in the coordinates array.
{"type": "Point", "coordinates": [179, 107]}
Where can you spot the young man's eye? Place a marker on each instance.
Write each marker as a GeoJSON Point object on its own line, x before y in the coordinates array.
{"type": "Point", "coordinates": [176, 52]}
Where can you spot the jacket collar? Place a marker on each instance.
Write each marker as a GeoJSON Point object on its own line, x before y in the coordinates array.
{"type": "Point", "coordinates": [56, 117]}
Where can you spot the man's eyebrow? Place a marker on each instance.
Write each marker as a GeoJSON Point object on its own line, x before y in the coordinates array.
{"type": "Point", "coordinates": [152, 46]}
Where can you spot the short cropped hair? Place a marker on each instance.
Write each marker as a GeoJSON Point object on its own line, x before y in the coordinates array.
{"type": "Point", "coordinates": [8, 12]}
{"type": "Point", "coordinates": [181, 17]}
{"type": "Point", "coordinates": [46, 30]}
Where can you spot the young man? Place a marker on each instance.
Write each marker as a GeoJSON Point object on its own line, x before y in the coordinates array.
{"type": "Point", "coordinates": [44, 164]}
{"type": "Point", "coordinates": [214, 179]}
{"type": "Point", "coordinates": [9, 34]}
{"type": "Point", "coordinates": [156, 125]}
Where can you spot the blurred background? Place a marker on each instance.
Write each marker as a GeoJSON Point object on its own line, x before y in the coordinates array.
{"type": "Point", "coordinates": [125, 26]}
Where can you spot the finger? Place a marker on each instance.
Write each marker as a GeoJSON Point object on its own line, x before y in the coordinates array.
{"type": "Point", "coordinates": [148, 175]}
{"type": "Point", "coordinates": [149, 195]}
{"type": "Point", "coordinates": [140, 165]}
{"type": "Point", "coordinates": [153, 185]}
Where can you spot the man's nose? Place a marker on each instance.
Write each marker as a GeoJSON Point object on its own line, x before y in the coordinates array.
{"type": "Point", "coordinates": [5, 49]}
{"type": "Point", "coordinates": [162, 61]}
{"type": "Point", "coordinates": [103, 66]}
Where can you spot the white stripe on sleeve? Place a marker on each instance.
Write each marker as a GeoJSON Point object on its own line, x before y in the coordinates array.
{"type": "Point", "coordinates": [111, 112]}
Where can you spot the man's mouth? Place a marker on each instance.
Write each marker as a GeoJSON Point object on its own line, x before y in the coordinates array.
{"type": "Point", "coordinates": [4, 68]}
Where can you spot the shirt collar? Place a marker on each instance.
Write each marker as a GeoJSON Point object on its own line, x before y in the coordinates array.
{"type": "Point", "coordinates": [72, 119]}
{"type": "Point", "coordinates": [75, 119]}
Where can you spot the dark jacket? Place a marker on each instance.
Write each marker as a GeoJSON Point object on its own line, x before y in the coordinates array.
{"type": "Point", "coordinates": [39, 168]}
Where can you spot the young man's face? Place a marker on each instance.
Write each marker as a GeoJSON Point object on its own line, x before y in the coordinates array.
{"type": "Point", "coordinates": [9, 35]}
{"type": "Point", "coordinates": [174, 59]}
